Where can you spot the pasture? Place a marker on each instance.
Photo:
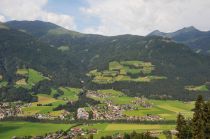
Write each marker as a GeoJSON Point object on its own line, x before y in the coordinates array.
{"type": "Point", "coordinates": [110, 129]}
{"type": "Point", "coordinates": [20, 129]}
{"type": "Point", "coordinates": [70, 94]}
{"type": "Point", "coordinates": [43, 99]}
{"type": "Point", "coordinates": [135, 71]}
{"type": "Point", "coordinates": [30, 77]}
{"type": "Point", "coordinates": [167, 109]}
{"type": "Point", "coordinates": [201, 88]}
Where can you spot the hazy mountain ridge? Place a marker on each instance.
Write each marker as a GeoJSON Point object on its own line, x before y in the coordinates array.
{"type": "Point", "coordinates": [194, 38]}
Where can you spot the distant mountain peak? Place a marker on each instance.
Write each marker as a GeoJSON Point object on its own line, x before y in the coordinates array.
{"type": "Point", "coordinates": [188, 29]}
{"type": "Point", "coordinates": [156, 33]}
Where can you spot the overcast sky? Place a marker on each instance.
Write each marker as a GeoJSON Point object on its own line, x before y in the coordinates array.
{"type": "Point", "coordinates": [112, 17]}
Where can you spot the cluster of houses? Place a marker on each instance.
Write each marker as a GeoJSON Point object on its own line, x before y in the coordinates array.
{"type": "Point", "coordinates": [109, 112]}
{"type": "Point", "coordinates": [74, 132]}
{"type": "Point", "coordinates": [141, 101]}
{"type": "Point", "coordinates": [147, 117]}
{"type": "Point", "coordinates": [115, 112]}
{"type": "Point", "coordinates": [79, 131]}
{"type": "Point", "coordinates": [82, 114]}
{"type": "Point", "coordinates": [48, 116]}
{"type": "Point", "coordinates": [6, 110]}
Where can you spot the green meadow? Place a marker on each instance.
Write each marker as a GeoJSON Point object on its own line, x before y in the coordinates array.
{"type": "Point", "coordinates": [110, 129]}
{"type": "Point", "coordinates": [69, 93]}
{"type": "Point", "coordinates": [20, 129]}
{"type": "Point", "coordinates": [167, 109]}
{"type": "Point", "coordinates": [30, 77]}
{"type": "Point", "coordinates": [43, 99]}
{"type": "Point", "coordinates": [135, 71]}
{"type": "Point", "coordinates": [201, 88]}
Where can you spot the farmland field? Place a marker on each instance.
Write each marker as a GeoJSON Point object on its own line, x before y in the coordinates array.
{"type": "Point", "coordinates": [43, 99]}
{"type": "Point", "coordinates": [201, 88]}
{"type": "Point", "coordinates": [109, 129]}
{"type": "Point", "coordinates": [69, 93]}
{"type": "Point", "coordinates": [135, 71]}
{"type": "Point", "coordinates": [167, 109]}
{"type": "Point", "coordinates": [30, 77]}
{"type": "Point", "coordinates": [10, 129]}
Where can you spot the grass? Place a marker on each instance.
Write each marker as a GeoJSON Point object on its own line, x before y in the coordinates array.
{"type": "Point", "coordinates": [111, 92]}
{"type": "Point", "coordinates": [110, 129]}
{"type": "Point", "coordinates": [34, 77]}
{"type": "Point", "coordinates": [117, 97]}
{"type": "Point", "coordinates": [63, 48]}
{"type": "Point", "coordinates": [125, 71]}
{"type": "Point", "coordinates": [30, 78]}
{"type": "Point", "coordinates": [167, 109]}
{"type": "Point", "coordinates": [3, 83]}
{"type": "Point", "coordinates": [201, 88]}
{"type": "Point", "coordinates": [43, 99]}
{"type": "Point", "coordinates": [70, 94]}
{"type": "Point", "coordinates": [131, 127]}
{"type": "Point", "coordinates": [122, 100]}
{"type": "Point", "coordinates": [20, 129]}
{"type": "Point", "coordinates": [22, 72]}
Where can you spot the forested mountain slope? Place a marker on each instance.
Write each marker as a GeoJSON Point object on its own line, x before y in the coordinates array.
{"type": "Point", "coordinates": [68, 56]}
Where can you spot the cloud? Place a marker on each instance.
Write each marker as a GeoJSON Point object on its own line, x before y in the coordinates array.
{"type": "Point", "coordinates": [33, 10]}
{"type": "Point", "coordinates": [2, 18]}
{"type": "Point", "coordinates": [143, 16]}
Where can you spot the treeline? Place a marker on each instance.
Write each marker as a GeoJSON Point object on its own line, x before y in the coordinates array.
{"type": "Point", "coordinates": [199, 126]}
{"type": "Point", "coordinates": [80, 121]}
{"type": "Point", "coordinates": [11, 93]}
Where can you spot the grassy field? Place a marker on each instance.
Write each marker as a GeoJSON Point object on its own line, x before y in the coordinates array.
{"type": "Point", "coordinates": [70, 94]}
{"type": "Point", "coordinates": [43, 99]}
{"type": "Point", "coordinates": [117, 97]}
{"type": "Point", "coordinates": [30, 77]}
{"type": "Point", "coordinates": [201, 88]}
{"type": "Point", "coordinates": [167, 109]}
{"type": "Point", "coordinates": [124, 71]}
{"type": "Point", "coordinates": [10, 129]}
{"type": "Point", "coordinates": [110, 129]}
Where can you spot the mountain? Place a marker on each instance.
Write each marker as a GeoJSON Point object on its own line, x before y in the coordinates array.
{"type": "Point", "coordinates": [68, 56]}
{"type": "Point", "coordinates": [190, 36]}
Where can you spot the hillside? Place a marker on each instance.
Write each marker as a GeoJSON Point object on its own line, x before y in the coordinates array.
{"type": "Point", "coordinates": [194, 38]}
{"type": "Point", "coordinates": [69, 56]}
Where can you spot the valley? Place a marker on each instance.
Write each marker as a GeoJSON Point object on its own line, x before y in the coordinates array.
{"type": "Point", "coordinates": [59, 84]}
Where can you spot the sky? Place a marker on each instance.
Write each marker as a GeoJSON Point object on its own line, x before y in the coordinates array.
{"type": "Point", "coordinates": [112, 17]}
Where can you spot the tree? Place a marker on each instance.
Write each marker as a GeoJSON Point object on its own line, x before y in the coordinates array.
{"type": "Point", "coordinates": [183, 127]}
{"type": "Point", "coordinates": [90, 136]}
{"type": "Point", "coordinates": [207, 120]}
{"type": "Point", "coordinates": [198, 121]}
{"type": "Point", "coordinates": [181, 124]}
{"type": "Point", "coordinates": [168, 134]}
{"type": "Point", "coordinates": [126, 136]}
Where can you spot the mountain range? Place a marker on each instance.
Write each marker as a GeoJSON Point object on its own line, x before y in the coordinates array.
{"type": "Point", "coordinates": [198, 40]}
{"type": "Point", "coordinates": [66, 57]}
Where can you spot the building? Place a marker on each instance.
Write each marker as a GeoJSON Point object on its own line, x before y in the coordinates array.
{"type": "Point", "coordinates": [82, 114]}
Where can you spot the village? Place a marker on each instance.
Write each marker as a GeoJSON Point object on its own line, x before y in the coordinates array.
{"type": "Point", "coordinates": [106, 110]}
{"type": "Point", "coordinates": [9, 110]}
{"type": "Point", "coordinates": [110, 111]}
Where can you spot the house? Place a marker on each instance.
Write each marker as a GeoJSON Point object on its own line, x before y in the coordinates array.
{"type": "Point", "coordinates": [2, 114]}
{"type": "Point", "coordinates": [82, 114]}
